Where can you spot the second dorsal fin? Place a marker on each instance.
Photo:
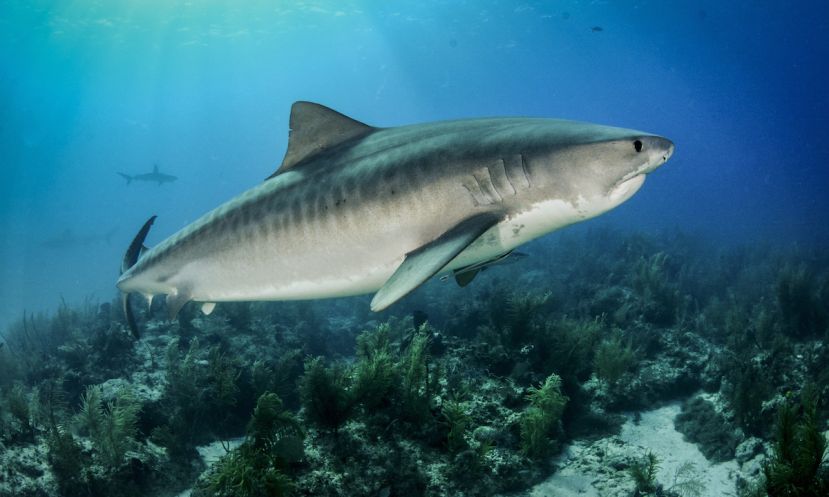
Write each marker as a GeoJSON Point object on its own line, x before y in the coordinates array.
{"type": "Point", "coordinates": [315, 128]}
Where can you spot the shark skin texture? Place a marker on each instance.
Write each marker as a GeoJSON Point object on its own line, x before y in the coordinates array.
{"type": "Point", "coordinates": [355, 209]}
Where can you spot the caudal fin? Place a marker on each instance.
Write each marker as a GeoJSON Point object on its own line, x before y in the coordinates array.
{"type": "Point", "coordinates": [126, 177]}
{"type": "Point", "coordinates": [130, 258]}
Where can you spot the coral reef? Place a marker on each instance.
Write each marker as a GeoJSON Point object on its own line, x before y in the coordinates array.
{"type": "Point", "coordinates": [487, 390]}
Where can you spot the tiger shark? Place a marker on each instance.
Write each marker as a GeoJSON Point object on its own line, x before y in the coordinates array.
{"type": "Point", "coordinates": [356, 209]}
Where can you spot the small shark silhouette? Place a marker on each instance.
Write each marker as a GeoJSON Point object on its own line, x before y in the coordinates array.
{"type": "Point", "coordinates": [70, 240]}
{"type": "Point", "coordinates": [154, 176]}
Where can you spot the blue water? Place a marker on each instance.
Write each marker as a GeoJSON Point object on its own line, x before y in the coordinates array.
{"type": "Point", "coordinates": [203, 89]}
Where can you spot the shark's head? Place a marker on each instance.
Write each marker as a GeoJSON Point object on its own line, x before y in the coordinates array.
{"type": "Point", "coordinates": [594, 168]}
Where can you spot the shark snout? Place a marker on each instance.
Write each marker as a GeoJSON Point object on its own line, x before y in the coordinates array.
{"type": "Point", "coordinates": [659, 150]}
{"type": "Point", "coordinates": [667, 147]}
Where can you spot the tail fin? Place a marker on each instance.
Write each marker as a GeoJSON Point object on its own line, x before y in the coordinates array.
{"type": "Point", "coordinates": [126, 177]}
{"type": "Point", "coordinates": [130, 258]}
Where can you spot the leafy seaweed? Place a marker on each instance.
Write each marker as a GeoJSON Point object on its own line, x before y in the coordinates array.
{"type": "Point", "coordinates": [375, 373]}
{"type": "Point", "coordinates": [800, 304]}
{"type": "Point", "coordinates": [660, 298]}
{"type": "Point", "coordinates": [258, 467]}
{"type": "Point", "coordinates": [415, 379]}
{"type": "Point", "coordinates": [613, 358]}
{"type": "Point", "coordinates": [794, 470]}
{"type": "Point", "coordinates": [66, 459]}
{"type": "Point", "coordinates": [325, 396]}
{"type": "Point", "coordinates": [457, 419]}
{"type": "Point", "coordinates": [644, 472]}
{"type": "Point", "coordinates": [687, 482]}
{"type": "Point", "coordinates": [111, 426]}
{"type": "Point", "coordinates": [541, 416]}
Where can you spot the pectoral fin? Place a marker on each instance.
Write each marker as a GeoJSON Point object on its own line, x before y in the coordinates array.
{"type": "Point", "coordinates": [463, 278]}
{"type": "Point", "coordinates": [424, 262]}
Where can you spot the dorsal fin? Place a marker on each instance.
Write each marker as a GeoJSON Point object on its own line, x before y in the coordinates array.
{"type": "Point", "coordinates": [315, 128]}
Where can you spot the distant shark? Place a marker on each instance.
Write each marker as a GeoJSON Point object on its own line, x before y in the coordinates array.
{"type": "Point", "coordinates": [355, 209]}
{"type": "Point", "coordinates": [155, 177]}
{"type": "Point", "coordinates": [68, 240]}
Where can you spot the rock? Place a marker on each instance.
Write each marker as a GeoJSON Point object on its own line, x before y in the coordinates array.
{"type": "Point", "coordinates": [753, 468]}
{"type": "Point", "coordinates": [487, 434]}
{"type": "Point", "coordinates": [703, 425]}
{"type": "Point", "coordinates": [748, 449]}
{"type": "Point", "coordinates": [673, 373]}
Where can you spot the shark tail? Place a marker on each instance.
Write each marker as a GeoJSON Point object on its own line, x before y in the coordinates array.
{"type": "Point", "coordinates": [130, 258]}
{"type": "Point", "coordinates": [126, 177]}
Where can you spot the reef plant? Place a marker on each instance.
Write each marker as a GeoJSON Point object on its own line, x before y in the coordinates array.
{"type": "Point", "coordinates": [659, 296]}
{"type": "Point", "coordinates": [259, 466]}
{"type": "Point", "coordinates": [644, 472]}
{"type": "Point", "coordinates": [324, 392]}
{"type": "Point", "coordinates": [415, 379]}
{"type": "Point", "coordinates": [111, 426]}
{"type": "Point", "coordinates": [795, 468]}
{"type": "Point", "coordinates": [542, 416]}
{"type": "Point", "coordinates": [612, 359]}
{"type": "Point", "coordinates": [457, 420]}
{"type": "Point", "coordinates": [687, 482]}
{"type": "Point", "coordinates": [374, 373]}
{"type": "Point", "coordinates": [799, 301]}
{"type": "Point", "coordinates": [65, 457]}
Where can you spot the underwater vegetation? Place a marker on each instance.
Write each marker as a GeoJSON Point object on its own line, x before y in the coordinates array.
{"type": "Point", "coordinates": [325, 395]}
{"type": "Point", "coordinates": [542, 416]}
{"type": "Point", "coordinates": [259, 466]}
{"type": "Point", "coordinates": [612, 359]}
{"type": "Point", "coordinates": [111, 426]}
{"type": "Point", "coordinates": [799, 450]}
{"type": "Point", "coordinates": [477, 395]}
{"type": "Point", "coordinates": [685, 482]}
{"type": "Point", "coordinates": [644, 472]}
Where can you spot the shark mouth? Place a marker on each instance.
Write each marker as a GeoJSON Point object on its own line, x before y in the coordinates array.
{"type": "Point", "coordinates": [625, 189]}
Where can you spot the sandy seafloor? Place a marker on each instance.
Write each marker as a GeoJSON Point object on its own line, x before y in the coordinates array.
{"type": "Point", "coordinates": [583, 474]}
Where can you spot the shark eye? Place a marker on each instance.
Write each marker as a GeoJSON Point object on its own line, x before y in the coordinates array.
{"type": "Point", "coordinates": [637, 144]}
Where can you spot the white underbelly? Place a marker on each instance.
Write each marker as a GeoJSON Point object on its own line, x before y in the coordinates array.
{"type": "Point", "coordinates": [281, 276]}
{"type": "Point", "coordinates": [518, 229]}
{"type": "Point", "coordinates": [312, 276]}
{"type": "Point", "coordinates": [368, 280]}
